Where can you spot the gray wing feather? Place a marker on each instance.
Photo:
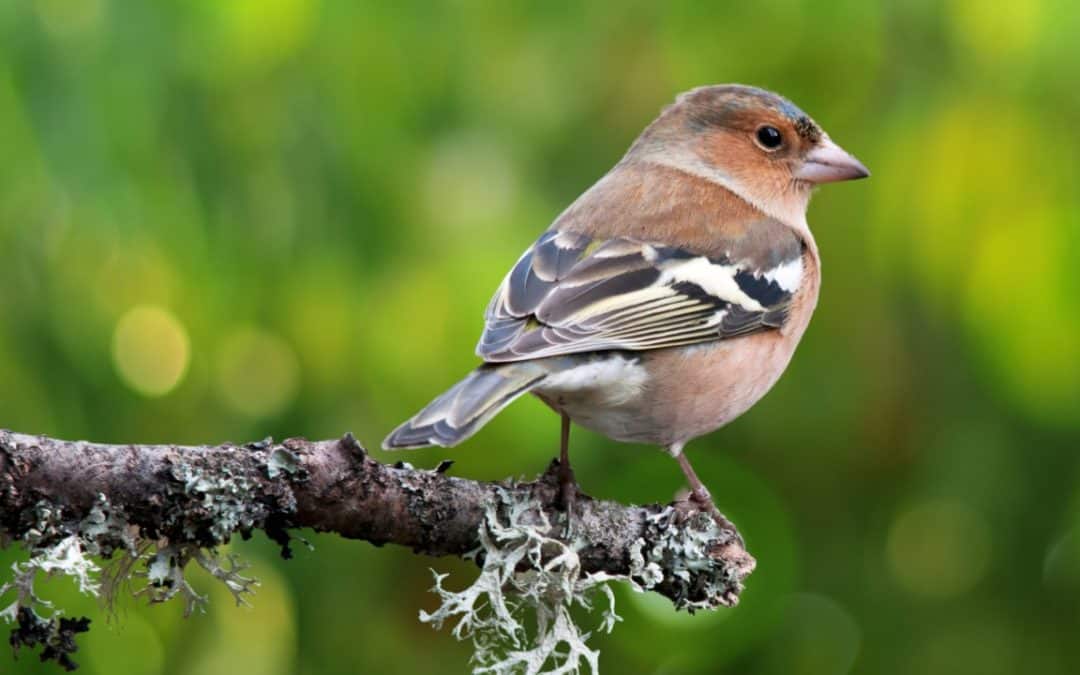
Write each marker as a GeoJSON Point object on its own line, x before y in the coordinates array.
{"type": "Point", "coordinates": [570, 294]}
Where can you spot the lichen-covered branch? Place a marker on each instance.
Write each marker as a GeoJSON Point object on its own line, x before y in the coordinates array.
{"type": "Point", "coordinates": [158, 507]}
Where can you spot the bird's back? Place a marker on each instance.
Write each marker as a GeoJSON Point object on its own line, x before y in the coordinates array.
{"type": "Point", "coordinates": [640, 200]}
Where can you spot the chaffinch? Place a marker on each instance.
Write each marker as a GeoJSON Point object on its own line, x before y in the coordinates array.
{"type": "Point", "coordinates": [667, 299]}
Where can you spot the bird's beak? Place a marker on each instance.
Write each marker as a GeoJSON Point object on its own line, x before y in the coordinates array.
{"type": "Point", "coordinates": [828, 163]}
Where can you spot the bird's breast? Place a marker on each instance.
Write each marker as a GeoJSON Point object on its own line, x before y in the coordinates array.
{"type": "Point", "coordinates": [673, 395]}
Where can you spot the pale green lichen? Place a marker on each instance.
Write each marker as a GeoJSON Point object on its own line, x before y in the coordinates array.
{"type": "Point", "coordinates": [282, 461]}
{"type": "Point", "coordinates": [165, 576]}
{"type": "Point", "coordinates": [517, 613]}
{"type": "Point", "coordinates": [51, 554]}
{"type": "Point", "coordinates": [46, 519]}
{"type": "Point", "coordinates": [153, 569]}
{"type": "Point", "coordinates": [525, 573]}
{"type": "Point", "coordinates": [38, 622]}
{"type": "Point", "coordinates": [683, 554]}
{"type": "Point", "coordinates": [102, 532]}
{"type": "Point", "coordinates": [228, 503]}
{"type": "Point", "coordinates": [201, 510]}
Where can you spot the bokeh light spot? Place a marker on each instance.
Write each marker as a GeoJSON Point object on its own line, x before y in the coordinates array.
{"type": "Point", "coordinates": [151, 350]}
{"type": "Point", "coordinates": [257, 372]}
{"type": "Point", "coordinates": [938, 549]}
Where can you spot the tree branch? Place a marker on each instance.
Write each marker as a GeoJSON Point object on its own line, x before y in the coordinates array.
{"type": "Point", "coordinates": [199, 496]}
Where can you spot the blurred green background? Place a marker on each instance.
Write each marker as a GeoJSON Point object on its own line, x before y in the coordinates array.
{"type": "Point", "coordinates": [222, 219]}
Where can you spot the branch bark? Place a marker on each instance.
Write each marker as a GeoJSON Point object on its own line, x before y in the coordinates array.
{"type": "Point", "coordinates": [201, 495]}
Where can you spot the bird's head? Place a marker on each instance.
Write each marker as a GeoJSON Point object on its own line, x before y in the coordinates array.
{"type": "Point", "coordinates": [752, 141]}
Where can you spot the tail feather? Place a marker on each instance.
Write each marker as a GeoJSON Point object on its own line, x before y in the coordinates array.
{"type": "Point", "coordinates": [468, 405]}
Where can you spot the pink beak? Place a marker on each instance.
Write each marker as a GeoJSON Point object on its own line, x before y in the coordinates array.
{"type": "Point", "coordinates": [828, 163]}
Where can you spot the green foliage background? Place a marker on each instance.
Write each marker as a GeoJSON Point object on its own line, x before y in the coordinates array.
{"type": "Point", "coordinates": [222, 219]}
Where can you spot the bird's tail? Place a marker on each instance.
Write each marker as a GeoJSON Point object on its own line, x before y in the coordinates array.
{"type": "Point", "coordinates": [467, 406]}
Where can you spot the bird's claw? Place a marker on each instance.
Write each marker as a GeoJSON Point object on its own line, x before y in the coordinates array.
{"type": "Point", "coordinates": [701, 501]}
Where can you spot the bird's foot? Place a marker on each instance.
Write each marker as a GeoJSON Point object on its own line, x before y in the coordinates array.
{"type": "Point", "coordinates": [699, 500]}
{"type": "Point", "coordinates": [699, 494]}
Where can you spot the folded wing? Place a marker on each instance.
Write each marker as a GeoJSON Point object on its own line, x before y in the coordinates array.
{"type": "Point", "coordinates": [571, 293]}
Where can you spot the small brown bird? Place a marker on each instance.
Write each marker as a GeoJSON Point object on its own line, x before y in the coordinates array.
{"type": "Point", "coordinates": [668, 298]}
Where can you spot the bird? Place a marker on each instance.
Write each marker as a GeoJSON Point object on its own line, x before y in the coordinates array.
{"type": "Point", "coordinates": [670, 296]}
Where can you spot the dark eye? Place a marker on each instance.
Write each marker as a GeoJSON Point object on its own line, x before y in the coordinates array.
{"type": "Point", "coordinates": [769, 137]}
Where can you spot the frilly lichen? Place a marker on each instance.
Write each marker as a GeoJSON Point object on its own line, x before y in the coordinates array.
{"type": "Point", "coordinates": [525, 572]}
{"type": "Point", "coordinates": [155, 569]}
{"type": "Point", "coordinates": [518, 611]}
{"type": "Point", "coordinates": [682, 554]}
{"type": "Point", "coordinates": [228, 502]}
{"type": "Point", "coordinates": [165, 576]}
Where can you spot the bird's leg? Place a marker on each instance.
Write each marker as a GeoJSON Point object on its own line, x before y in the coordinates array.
{"type": "Point", "coordinates": [698, 492]}
{"type": "Point", "coordinates": [567, 483]}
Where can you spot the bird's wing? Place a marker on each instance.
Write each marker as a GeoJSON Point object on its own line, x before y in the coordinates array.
{"type": "Point", "coordinates": [571, 293]}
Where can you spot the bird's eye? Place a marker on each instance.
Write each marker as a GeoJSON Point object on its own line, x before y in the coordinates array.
{"type": "Point", "coordinates": [769, 137]}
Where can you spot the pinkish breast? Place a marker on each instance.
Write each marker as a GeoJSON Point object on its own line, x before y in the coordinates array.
{"type": "Point", "coordinates": [685, 392]}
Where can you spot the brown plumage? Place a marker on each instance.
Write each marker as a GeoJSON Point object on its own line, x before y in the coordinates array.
{"type": "Point", "coordinates": [658, 203]}
{"type": "Point", "coordinates": [668, 298]}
